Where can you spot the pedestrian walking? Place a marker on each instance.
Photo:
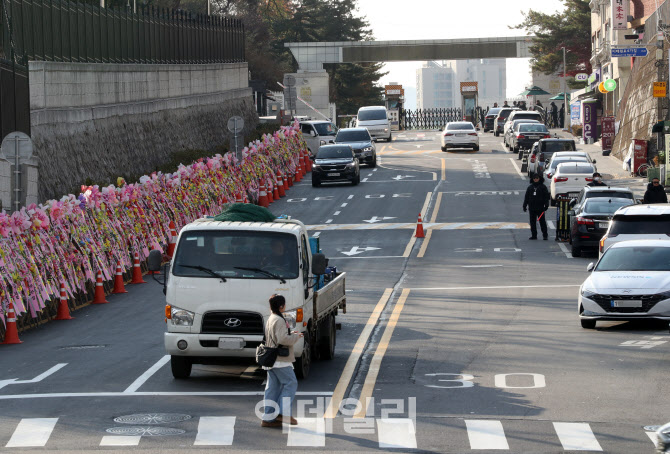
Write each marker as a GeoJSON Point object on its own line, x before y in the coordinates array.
{"type": "Point", "coordinates": [281, 382]}
{"type": "Point", "coordinates": [561, 116]}
{"type": "Point", "coordinates": [597, 180]}
{"type": "Point", "coordinates": [536, 202]}
{"type": "Point", "coordinates": [554, 114]}
{"type": "Point", "coordinates": [655, 193]}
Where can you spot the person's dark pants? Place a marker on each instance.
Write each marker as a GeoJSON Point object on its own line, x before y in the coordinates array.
{"type": "Point", "coordinates": [533, 215]}
{"type": "Point", "coordinates": [554, 118]}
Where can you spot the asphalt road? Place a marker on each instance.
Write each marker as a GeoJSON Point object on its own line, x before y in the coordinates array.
{"type": "Point", "coordinates": [465, 340]}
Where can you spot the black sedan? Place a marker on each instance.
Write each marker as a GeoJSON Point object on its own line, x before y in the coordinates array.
{"type": "Point", "coordinates": [490, 117]}
{"type": "Point", "coordinates": [527, 134]}
{"type": "Point", "coordinates": [589, 223]}
{"type": "Point", "coordinates": [335, 163]}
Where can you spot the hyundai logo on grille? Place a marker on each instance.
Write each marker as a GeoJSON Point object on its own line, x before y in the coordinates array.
{"type": "Point", "coordinates": [232, 322]}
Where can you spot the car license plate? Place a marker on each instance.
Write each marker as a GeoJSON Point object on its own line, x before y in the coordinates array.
{"type": "Point", "coordinates": [603, 225]}
{"type": "Point", "coordinates": [334, 174]}
{"type": "Point", "coordinates": [231, 343]}
{"type": "Point", "coordinates": [626, 303]}
{"type": "Point", "coordinates": [573, 195]}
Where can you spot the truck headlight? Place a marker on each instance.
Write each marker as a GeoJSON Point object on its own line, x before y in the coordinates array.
{"type": "Point", "coordinates": [367, 149]}
{"type": "Point", "coordinates": [386, 129]}
{"type": "Point", "coordinates": [182, 317]}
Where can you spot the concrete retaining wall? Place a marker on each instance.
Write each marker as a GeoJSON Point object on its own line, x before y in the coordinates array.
{"type": "Point", "coordinates": [100, 121]}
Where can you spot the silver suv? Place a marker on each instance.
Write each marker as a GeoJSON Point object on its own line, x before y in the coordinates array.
{"type": "Point", "coordinates": [638, 222]}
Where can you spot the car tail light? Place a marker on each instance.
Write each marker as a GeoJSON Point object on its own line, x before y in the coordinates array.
{"type": "Point", "coordinates": [448, 134]}
{"type": "Point", "coordinates": [584, 221]}
{"type": "Point", "coordinates": [589, 178]}
{"type": "Point", "coordinates": [532, 158]}
{"type": "Point", "coordinates": [472, 133]}
{"type": "Point", "coordinates": [559, 179]}
{"type": "Point", "coordinates": [547, 136]}
{"type": "Point", "coordinates": [520, 136]}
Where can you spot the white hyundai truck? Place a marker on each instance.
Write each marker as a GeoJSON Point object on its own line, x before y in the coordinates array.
{"type": "Point", "coordinates": [219, 282]}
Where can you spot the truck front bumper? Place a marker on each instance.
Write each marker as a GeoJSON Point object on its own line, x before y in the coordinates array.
{"type": "Point", "coordinates": [208, 345]}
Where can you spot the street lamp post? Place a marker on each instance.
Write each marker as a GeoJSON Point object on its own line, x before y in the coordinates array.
{"type": "Point", "coordinates": [565, 95]}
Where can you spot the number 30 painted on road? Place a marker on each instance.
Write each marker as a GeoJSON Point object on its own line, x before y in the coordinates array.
{"type": "Point", "coordinates": [500, 381]}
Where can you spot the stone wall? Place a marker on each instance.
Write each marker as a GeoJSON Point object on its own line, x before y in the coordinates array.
{"type": "Point", "coordinates": [100, 121]}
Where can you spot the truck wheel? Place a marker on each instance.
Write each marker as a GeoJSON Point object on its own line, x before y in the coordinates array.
{"type": "Point", "coordinates": [181, 367]}
{"type": "Point", "coordinates": [303, 363]}
{"type": "Point", "coordinates": [327, 342]}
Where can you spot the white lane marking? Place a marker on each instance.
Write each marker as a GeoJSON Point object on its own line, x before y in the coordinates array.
{"type": "Point", "coordinates": [32, 433]}
{"type": "Point", "coordinates": [39, 378]}
{"type": "Point", "coordinates": [551, 225]}
{"type": "Point", "coordinates": [336, 213]}
{"type": "Point", "coordinates": [215, 431]}
{"type": "Point", "coordinates": [374, 170]}
{"type": "Point", "coordinates": [369, 174]}
{"type": "Point", "coordinates": [396, 433]}
{"type": "Point", "coordinates": [565, 250]}
{"type": "Point", "coordinates": [479, 266]}
{"type": "Point", "coordinates": [490, 287]}
{"type": "Point", "coordinates": [486, 434]}
{"type": "Point", "coordinates": [329, 221]}
{"type": "Point", "coordinates": [576, 436]}
{"type": "Point", "coordinates": [653, 437]}
{"type": "Point", "coordinates": [157, 393]}
{"type": "Point", "coordinates": [350, 197]}
{"type": "Point", "coordinates": [120, 440]}
{"type": "Point", "coordinates": [372, 257]}
{"type": "Point", "coordinates": [518, 170]}
{"type": "Point", "coordinates": [316, 234]}
{"type": "Point", "coordinates": [308, 432]}
{"type": "Point", "coordinates": [344, 205]}
{"type": "Point", "coordinates": [364, 180]}
{"type": "Point", "coordinates": [147, 375]}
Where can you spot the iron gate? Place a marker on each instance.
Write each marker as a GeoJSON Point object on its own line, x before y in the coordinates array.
{"type": "Point", "coordinates": [429, 118]}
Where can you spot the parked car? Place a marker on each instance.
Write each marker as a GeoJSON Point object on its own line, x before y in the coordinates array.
{"type": "Point", "coordinates": [362, 143]}
{"type": "Point", "coordinates": [317, 133]}
{"type": "Point", "coordinates": [551, 166]}
{"type": "Point", "coordinates": [638, 222]}
{"type": "Point", "coordinates": [545, 150]}
{"type": "Point", "coordinates": [521, 115]}
{"type": "Point", "coordinates": [525, 135]}
{"type": "Point", "coordinates": [459, 134]}
{"type": "Point", "coordinates": [569, 178]}
{"type": "Point", "coordinates": [631, 281]}
{"type": "Point", "coordinates": [489, 118]}
{"type": "Point", "coordinates": [501, 118]}
{"type": "Point", "coordinates": [577, 155]}
{"type": "Point", "coordinates": [589, 221]}
{"type": "Point", "coordinates": [608, 192]}
{"type": "Point", "coordinates": [507, 137]}
{"type": "Point", "coordinates": [376, 119]}
{"type": "Point", "coordinates": [335, 163]}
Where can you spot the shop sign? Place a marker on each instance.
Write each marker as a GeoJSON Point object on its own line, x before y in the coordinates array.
{"type": "Point", "coordinates": [620, 11]}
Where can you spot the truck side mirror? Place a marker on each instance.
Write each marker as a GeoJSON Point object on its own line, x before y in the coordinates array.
{"type": "Point", "coordinates": [155, 259]}
{"type": "Point", "coordinates": [319, 263]}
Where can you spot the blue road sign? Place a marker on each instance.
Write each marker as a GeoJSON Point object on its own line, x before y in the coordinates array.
{"type": "Point", "coordinates": [629, 52]}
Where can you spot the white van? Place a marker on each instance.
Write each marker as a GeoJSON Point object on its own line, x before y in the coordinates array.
{"type": "Point", "coordinates": [317, 133]}
{"type": "Point", "coordinates": [376, 119]}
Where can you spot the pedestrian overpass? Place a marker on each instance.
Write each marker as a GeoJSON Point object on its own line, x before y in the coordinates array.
{"type": "Point", "coordinates": [312, 56]}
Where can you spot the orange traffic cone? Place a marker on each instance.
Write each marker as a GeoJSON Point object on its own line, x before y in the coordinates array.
{"type": "Point", "coordinates": [171, 244]}
{"type": "Point", "coordinates": [308, 161]}
{"type": "Point", "coordinates": [263, 196]}
{"type": "Point", "coordinates": [419, 228]}
{"type": "Point", "coordinates": [99, 297]}
{"type": "Point", "coordinates": [63, 309]}
{"type": "Point", "coordinates": [270, 196]}
{"type": "Point", "coordinates": [239, 199]}
{"type": "Point", "coordinates": [137, 271]}
{"type": "Point", "coordinates": [282, 185]}
{"type": "Point", "coordinates": [11, 333]}
{"type": "Point", "coordinates": [275, 190]}
{"type": "Point", "coordinates": [118, 279]}
{"type": "Point", "coordinates": [298, 172]}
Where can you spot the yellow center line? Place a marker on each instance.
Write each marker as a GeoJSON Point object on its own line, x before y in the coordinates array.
{"type": "Point", "coordinates": [437, 207]}
{"type": "Point", "coordinates": [352, 362]}
{"type": "Point", "coordinates": [444, 169]}
{"type": "Point", "coordinates": [425, 205]}
{"type": "Point", "coordinates": [376, 362]}
{"type": "Point", "coordinates": [410, 245]}
{"type": "Point", "coordinates": [424, 245]}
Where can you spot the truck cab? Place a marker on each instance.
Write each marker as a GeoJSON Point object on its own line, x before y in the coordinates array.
{"type": "Point", "coordinates": [317, 133]}
{"type": "Point", "coordinates": [218, 285]}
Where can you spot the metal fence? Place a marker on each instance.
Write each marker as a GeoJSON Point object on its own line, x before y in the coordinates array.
{"type": "Point", "coordinates": [62, 30]}
{"type": "Point", "coordinates": [428, 118]}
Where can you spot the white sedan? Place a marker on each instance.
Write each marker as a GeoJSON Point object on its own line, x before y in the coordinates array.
{"type": "Point", "coordinates": [459, 134]}
{"type": "Point", "coordinates": [570, 178]}
{"type": "Point", "coordinates": [630, 281]}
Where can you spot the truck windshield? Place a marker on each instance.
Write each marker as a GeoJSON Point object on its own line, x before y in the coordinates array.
{"type": "Point", "coordinates": [227, 252]}
{"type": "Point", "coordinates": [325, 129]}
{"type": "Point", "coordinates": [373, 114]}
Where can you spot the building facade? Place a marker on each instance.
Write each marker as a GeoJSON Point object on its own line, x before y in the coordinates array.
{"type": "Point", "coordinates": [435, 86]}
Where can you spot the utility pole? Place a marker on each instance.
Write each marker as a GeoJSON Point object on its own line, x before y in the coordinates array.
{"type": "Point", "coordinates": [660, 67]}
{"type": "Point", "coordinates": [565, 95]}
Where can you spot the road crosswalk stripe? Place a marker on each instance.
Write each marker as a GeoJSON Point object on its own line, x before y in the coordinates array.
{"type": "Point", "coordinates": [215, 431]}
{"type": "Point", "coordinates": [308, 432]}
{"type": "Point", "coordinates": [120, 440]}
{"type": "Point", "coordinates": [32, 433]}
{"type": "Point", "coordinates": [576, 436]}
{"type": "Point", "coordinates": [396, 433]}
{"type": "Point", "coordinates": [485, 434]}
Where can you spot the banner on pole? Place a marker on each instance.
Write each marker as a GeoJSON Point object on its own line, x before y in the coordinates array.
{"type": "Point", "coordinates": [620, 11]}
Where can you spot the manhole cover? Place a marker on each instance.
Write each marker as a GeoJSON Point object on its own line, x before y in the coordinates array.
{"type": "Point", "coordinates": [145, 431]}
{"type": "Point", "coordinates": [151, 418]}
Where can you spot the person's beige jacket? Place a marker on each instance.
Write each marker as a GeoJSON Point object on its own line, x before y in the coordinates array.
{"type": "Point", "coordinates": [276, 334]}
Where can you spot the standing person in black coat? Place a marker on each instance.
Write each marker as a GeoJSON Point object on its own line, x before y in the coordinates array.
{"type": "Point", "coordinates": [537, 201]}
{"type": "Point", "coordinates": [561, 116]}
{"type": "Point", "coordinates": [655, 193]}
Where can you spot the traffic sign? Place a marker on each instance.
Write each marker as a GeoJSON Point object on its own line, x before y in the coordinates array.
{"type": "Point", "coordinates": [632, 51]}
{"type": "Point", "coordinates": [660, 89]}
{"type": "Point", "coordinates": [235, 124]}
{"type": "Point", "coordinates": [16, 146]}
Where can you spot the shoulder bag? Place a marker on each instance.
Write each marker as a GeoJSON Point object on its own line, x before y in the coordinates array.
{"type": "Point", "coordinates": [266, 356]}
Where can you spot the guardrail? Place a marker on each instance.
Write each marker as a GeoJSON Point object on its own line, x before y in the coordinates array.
{"type": "Point", "coordinates": [69, 240]}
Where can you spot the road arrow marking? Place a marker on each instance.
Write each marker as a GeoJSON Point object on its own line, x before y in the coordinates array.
{"type": "Point", "coordinates": [39, 378]}
{"type": "Point", "coordinates": [374, 219]}
{"type": "Point", "coordinates": [359, 250]}
{"type": "Point", "coordinates": [402, 177]}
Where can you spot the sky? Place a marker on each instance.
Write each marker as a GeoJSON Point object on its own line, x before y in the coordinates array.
{"type": "Point", "coordinates": [449, 19]}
